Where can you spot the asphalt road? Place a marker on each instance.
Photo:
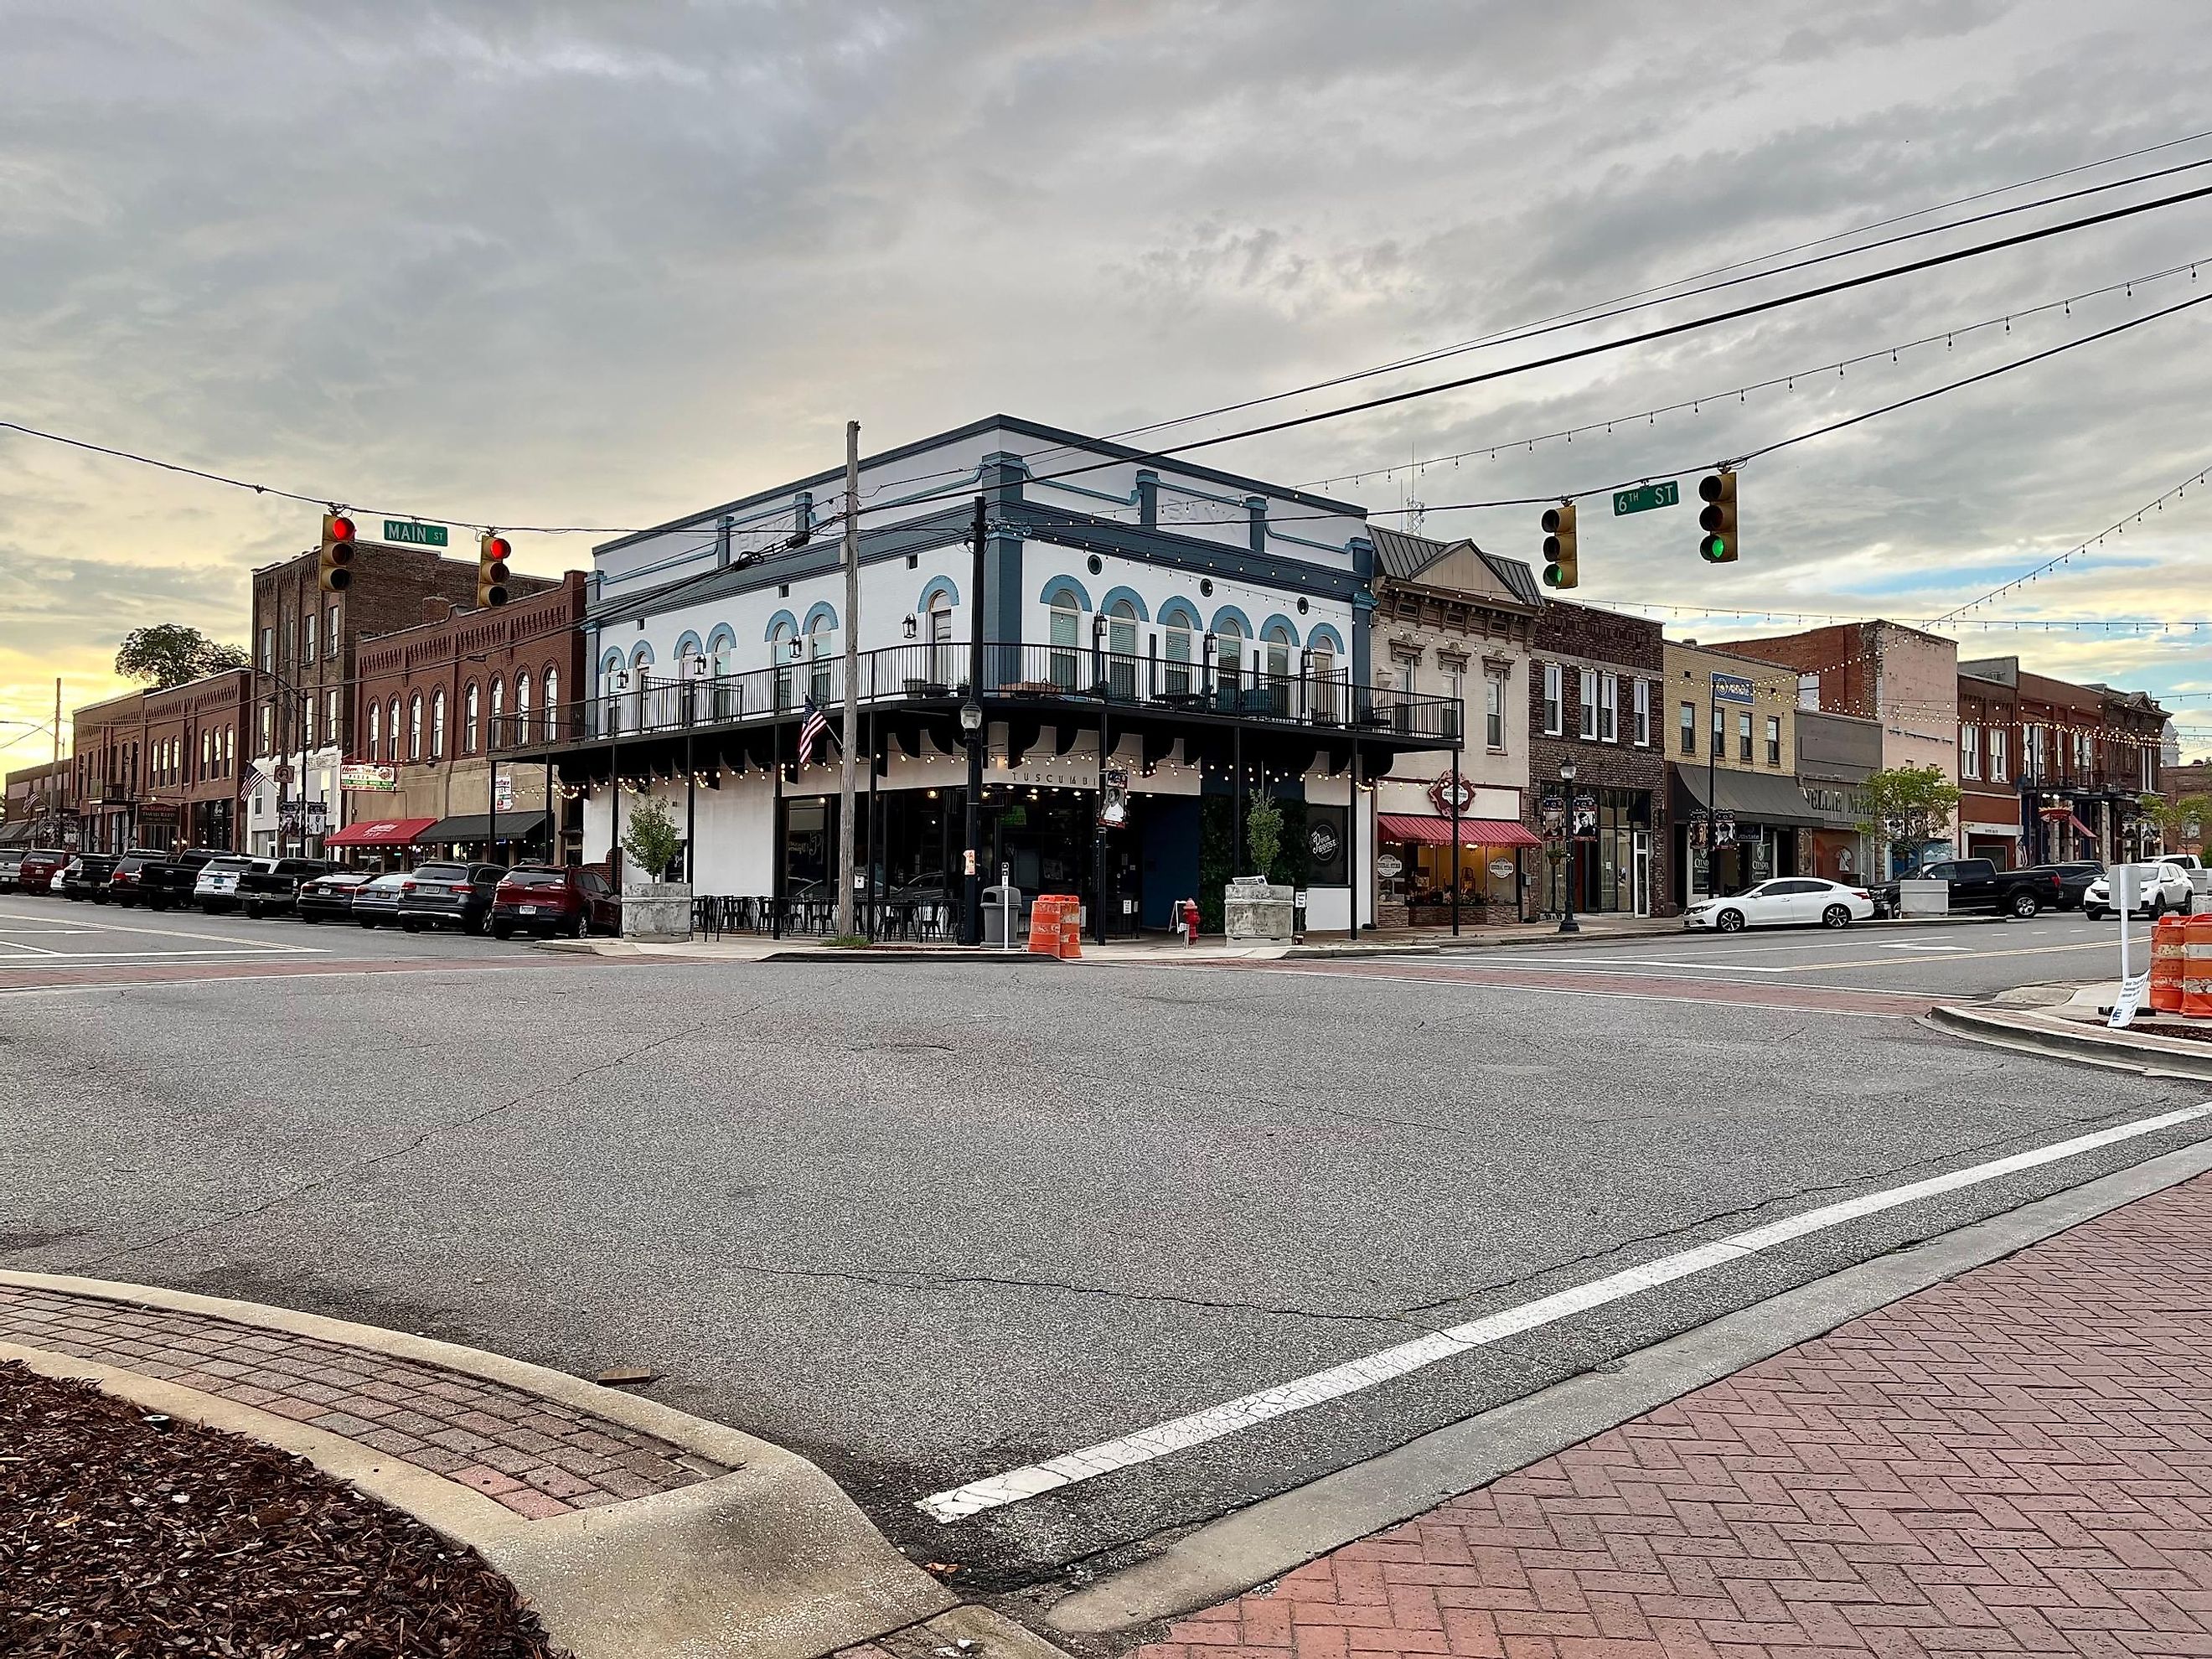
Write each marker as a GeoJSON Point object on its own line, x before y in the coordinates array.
{"type": "Point", "coordinates": [927, 1223]}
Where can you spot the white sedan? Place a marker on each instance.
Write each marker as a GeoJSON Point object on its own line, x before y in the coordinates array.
{"type": "Point", "coordinates": [2165, 887]}
{"type": "Point", "coordinates": [1785, 902]}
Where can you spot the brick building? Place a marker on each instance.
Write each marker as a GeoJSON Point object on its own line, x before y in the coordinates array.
{"type": "Point", "coordinates": [1596, 685]}
{"type": "Point", "coordinates": [2073, 760]}
{"type": "Point", "coordinates": [1728, 726]}
{"type": "Point", "coordinates": [39, 806]}
{"type": "Point", "coordinates": [163, 769]}
{"type": "Point", "coordinates": [305, 647]}
{"type": "Point", "coordinates": [2178, 782]}
{"type": "Point", "coordinates": [435, 706]}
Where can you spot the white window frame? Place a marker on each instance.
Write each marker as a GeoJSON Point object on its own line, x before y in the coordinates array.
{"type": "Point", "coordinates": [1643, 713]}
{"type": "Point", "coordinates": [1688, 725]}
{"type": "Point", "coordinates": [1998, 758]}
{"type": "Point", "coordinates": [1608, 708]}
{"type": "Point", "coordinates": [1970, 752]}
{"type": "Point", "coordinates": [1773, 739]}
{"type": "Point", "coordinates": [1554, 700]}
{"type": "Point", "coordinates": [1494, 709]}
{"type": "Point", "coordinates": [1586, 715]}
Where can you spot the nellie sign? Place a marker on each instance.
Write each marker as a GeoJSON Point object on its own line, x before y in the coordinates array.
{"type": "Point", "coordinates": [1645, 497]}
{"type": "Point", "coordinates": [406, 532]}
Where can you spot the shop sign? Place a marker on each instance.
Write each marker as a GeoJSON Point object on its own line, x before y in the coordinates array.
{"type": "Point", "coordinates": [503, 794]}
{"type": "Point", "coordinates": [1114, 797]}
{"type": "Point", "coordinates": [1444, 789]}
{"type": "Point", "coordinates": [356, 775]}
{"type": "Point", "coordinates": [1389, 866]}
{"type": "Point", "coordinates": [1502, 868]}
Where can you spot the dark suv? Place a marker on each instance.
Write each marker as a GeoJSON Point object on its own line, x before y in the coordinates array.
{"type": "Point", "coordinates": [158, 880]}
{"type": "Point", "coordinates": [272, 887]}
{"type": "Point", "coordinates": [449, 895]}
{"type": "Point", "coordinates": [85, 876]}
{"type": "Point", "coordinates": [546, 898]}
{"type": "Point", "coordinates": [36, 873]}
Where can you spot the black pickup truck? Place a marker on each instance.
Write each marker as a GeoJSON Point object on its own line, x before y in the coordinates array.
{"type": "Point", "coordinates": [271, 886]}
{"type": "Point", "coordinates": [159, 880]}
{"type": "Point", "coordinates": [1978, 884]}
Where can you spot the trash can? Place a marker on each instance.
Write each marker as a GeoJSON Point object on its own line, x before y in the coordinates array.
{"type": "Point", "coordinates": [1002, 917]}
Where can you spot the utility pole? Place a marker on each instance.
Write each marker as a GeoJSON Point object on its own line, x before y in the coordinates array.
{"type": "Point", "coordinates": [971, 726]}
{"type": "Point", "coordinates": [54, 776]}
{"type": "Point", "coordinates": [846, 802]}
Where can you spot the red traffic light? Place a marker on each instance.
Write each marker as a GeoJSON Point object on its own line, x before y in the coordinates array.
{"type": "Point", "coordinates": [341, 528]}
{"type": "Point", "coordinates": [496, 547]}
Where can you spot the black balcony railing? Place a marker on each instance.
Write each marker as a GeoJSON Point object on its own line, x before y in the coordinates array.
{"type": "Point", "coordinates": [644, 704]}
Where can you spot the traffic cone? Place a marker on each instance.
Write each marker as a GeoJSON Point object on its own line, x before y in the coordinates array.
{"type": "Point", "coordinates": [2196, 968]}
{"type": "Point", "coordinates": [2167, 944]}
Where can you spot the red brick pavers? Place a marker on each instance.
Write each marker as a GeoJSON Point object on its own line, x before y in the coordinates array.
{"type": "Point", "coordinates": [2018, 1461]}
{"type": "Point", "coordinates": [537, 1457]}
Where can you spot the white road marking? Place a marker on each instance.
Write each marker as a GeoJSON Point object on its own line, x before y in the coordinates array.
{"type": "Point", "coordinates": [1353, 1376]}
{"type": "Point", "coordinates": [1629, 964]}
{"type": "Point", "coordinates": [47, 958]}
{"type": "Point", "coordinates": [7, 917]}
{"type": "Point", "coordinates": [1924, 947]}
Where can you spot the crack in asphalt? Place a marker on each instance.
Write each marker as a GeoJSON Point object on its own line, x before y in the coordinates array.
{"type": "Point", "coordinates": [417, 1142]}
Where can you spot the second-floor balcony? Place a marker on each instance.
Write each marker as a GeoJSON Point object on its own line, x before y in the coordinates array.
{"type": "Point", "coordinates": [1074, 683]}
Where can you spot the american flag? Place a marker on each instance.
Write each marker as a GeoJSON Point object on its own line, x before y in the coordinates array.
{"type": "Point", "coordinates": [814, 727]}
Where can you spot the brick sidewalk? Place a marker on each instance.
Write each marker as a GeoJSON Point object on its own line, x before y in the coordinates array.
{"type": "Point", "coordinates": [536, 1456]}
{"type": "Point", "coordinates": [2018, 1461]}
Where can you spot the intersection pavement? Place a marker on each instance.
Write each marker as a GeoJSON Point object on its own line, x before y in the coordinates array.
{"type": "Point", "coordinates": [934, 1224]}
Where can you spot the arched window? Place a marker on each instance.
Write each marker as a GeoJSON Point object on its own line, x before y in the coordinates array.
{"type": "Point", "coordinates": [469, 714]}
{"type": "Point", "coordinates": [778, 644]}
{"type": "Point", "coordinates": [552, 698]}
{"type": "Point", "coordinates": [500, 737]}
{"type": "Point", "coordinates": [724, 668]}
{"type": "Point", "coordinates": [820, 641]}
{"type": "Point", "coordinates": [1174, 653]}
{"type": "Point", "coordinates": [1321, 694]}
{"type": "Point", "coordinates": [229, 743]}
{"type": "Point", "coordinates": [522, 703]}
{"type": "Point", "coordinates": [375, 728]}
{"type": "Point", "coordinates": [1122, 648]}
{"type": "Point", "coordinates": [391, 733]}
{"type": "Point", "coordinates": [1278, 644]}
{"type": "Point", "coordinates": [1066, 637]}
{"type": "Point", "coordinates": [1228, 653]}
{"type": "Point", "coordinates": [943, 659]}
{"type": "Point", "coordinates": [414, 727]}
{"type": "Point", "coordinates": [438, 724]}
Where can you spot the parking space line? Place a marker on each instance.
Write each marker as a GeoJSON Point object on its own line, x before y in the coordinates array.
{"type": "Point", "coordinates": [1371, 1370]}
{"type": "Point", "coordinates": [91, 927]}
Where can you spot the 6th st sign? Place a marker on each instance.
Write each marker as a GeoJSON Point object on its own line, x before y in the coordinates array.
{"type": "Point", "coordinates": [1645, 497]}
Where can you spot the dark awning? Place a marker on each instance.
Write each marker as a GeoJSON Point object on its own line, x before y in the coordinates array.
{"type": "Point", "coordinates": [1753, 797]}
{"type": "Point", "coordinates": [15, 835]}
{"type": "Point", "coordinates": [477, 826]}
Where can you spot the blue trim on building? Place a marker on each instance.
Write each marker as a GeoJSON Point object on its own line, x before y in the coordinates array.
{"type": "Point", "coordinates": [820, 610]}
{"type": "Point", "coordinates": [723, 634]}
{"type": "Point", "coordinates": [1323, 635]}
{"type": "Point", "coordinates": [782, 619]}
{"type": "Point", "coordinates": [1183, 611]}
{"type": "Point", "coordinates": [1288, 629]}
{"type": "Point", "coordinates": [1362, 612]}
{"type": "Point", "coordinates": [1003, 558]}
{"type": "Point", "coordinates": [932, 588]}
{"type": "Point", "coordinates": [687, 644]}
{"type": "Point", "coordinates": [612, 662]}
{"type": "Point", "coordinates": [640, 655]}
{"type": "Point", "coordinates": [1114, 595]}
{"type": "Point", "coordinates": [1060, 585]}
{"type": "Point", "coordinates": [1244, 622]}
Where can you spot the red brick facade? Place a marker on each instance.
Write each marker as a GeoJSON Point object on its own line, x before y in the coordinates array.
{"type": "Point", "coordinates": [162, 769]}
{"type": "Point", "coordinates": [1595, 659]}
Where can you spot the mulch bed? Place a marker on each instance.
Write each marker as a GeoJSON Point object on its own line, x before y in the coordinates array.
{"type": "Point", "coordinates": [127, 1536]}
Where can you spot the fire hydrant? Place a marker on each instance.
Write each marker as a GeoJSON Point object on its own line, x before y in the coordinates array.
{"type": "Point", "coordinates": [1187, 910]}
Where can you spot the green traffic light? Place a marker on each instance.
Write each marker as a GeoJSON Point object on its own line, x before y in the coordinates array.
{"type": "Point", "coordinates": [1715, 550]}
{"type": "Point", "coordinates": [1553, 576]}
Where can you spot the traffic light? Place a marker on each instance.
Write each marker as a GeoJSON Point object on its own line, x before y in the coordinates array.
{"type": "Point", "coordinates": [1560, 567]}
{"type": "Point", "coordinates": [338, 552]}
{"type": "Point", "coordinates": [1717, 521]}
{"type": "Point", "coordinates": [492, 554]}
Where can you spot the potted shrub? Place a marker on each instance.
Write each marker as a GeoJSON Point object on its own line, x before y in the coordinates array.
{"type": "Point", "coordinates": [1254, 907]}
{"type": "Point", "coordinates": [655, 907]}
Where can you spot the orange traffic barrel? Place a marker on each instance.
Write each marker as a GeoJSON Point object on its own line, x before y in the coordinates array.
{"type": "Point", "coordinates": [2196, 968]}
{"type": "Point", "coordinates": [2167, 944]}
{"type": "Point", "coordinates": [1071, 931]}
{"type": "Point", "coordinates": [1044, 925]}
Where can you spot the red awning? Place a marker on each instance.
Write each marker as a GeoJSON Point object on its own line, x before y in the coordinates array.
{"type": "Point", "coordinates": [379, 832]}
{"type": "Point", "coordinates": [2082, 827]}
{"type": "Point", "coordinates": [1437, 831]}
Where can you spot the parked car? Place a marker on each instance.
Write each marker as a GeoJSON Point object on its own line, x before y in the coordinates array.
{"type": "Point", "coordinates": [2074, 879]}
{"type": "Point", "coordinates": [546, 898]}
{"type": "Point", "coordinates": [1978, 884]}
{"type": "Point", "coordinates": [2182, 860]}
{"type": "Point", "coordinates": [271, 888]}
{"type": "Point", "coordinates": [377, 899]}
{"type": "Point", "coordinates": [330, 897]}
{"type": "Point", "coordinates": [1785, 902]}
{"type": "Point", "coordinates": [449, 895]}
{"type": "Point", "coordinates": [2165, 887]}
{"type": "Point", "coordinates": [159, 880]}
{"type": "Point", "coordinates": [85, 876]}
{"type": "Point", "coordinates": [11, 860]}
{"type": "Point", "coordinates": [39, 866]}
{"type": "Point", "coordinates": [215, 890]}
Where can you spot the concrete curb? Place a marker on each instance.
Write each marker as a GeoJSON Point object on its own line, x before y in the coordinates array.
{"type": "Point", "coordinates": [770, 1561]}
{"type": "Point", "coordinates": [2084, 1045]}
{"type": "Point", "coordinates": [1227, 1557]}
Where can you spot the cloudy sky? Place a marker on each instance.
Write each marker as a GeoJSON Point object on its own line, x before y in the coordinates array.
{"type": "Point", "coordinates": [582, 263]}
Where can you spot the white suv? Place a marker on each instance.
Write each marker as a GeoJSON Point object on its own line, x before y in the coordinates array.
{"type": "Point", "coordinates": [2165, 887]}
{"type": "Point", "coordinates": [216, 888]}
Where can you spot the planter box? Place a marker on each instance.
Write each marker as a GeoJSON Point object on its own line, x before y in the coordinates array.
{"type": "Point", "coordinates": [657, 910]}
{"type": "Point", "coordinates": [1924, 898]}
{"type": "Point", "coordinates": [1255, 910]}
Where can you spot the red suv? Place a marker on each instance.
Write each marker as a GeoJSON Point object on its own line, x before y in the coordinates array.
{"type": "Point", "coordinates": [545, 898]}
{"type": "Point", "coordinates": [39, 868]}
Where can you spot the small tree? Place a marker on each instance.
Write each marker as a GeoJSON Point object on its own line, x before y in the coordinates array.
{"type": "Point", "coordinates": [651, 838]}
{"type": "Point", "coordinates": [2178, 817]}
{"type": "Point", "coordinates": [1263, 833]}
{"type": "Point", "coordinates": [1912, 804]}
{"type": "Point", "coordinates": [170, 654]}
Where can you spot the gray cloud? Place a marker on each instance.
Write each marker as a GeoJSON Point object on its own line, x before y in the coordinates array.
{"type": "Point", "coordinates": [576, 262]}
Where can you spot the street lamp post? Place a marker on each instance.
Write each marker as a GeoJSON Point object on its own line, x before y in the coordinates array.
{"type": "Point", "coordinates": [1567, 923]}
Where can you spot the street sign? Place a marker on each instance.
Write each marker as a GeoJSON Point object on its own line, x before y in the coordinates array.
{"type": "Point", "coordinates": [1645, 497]}
{"type": "Point", "coordinates": [1732, 688]}
{"type": "Point", "coordinates": [2129, 1000]}
{"type": "Point", "coordinates": [408, 533]}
